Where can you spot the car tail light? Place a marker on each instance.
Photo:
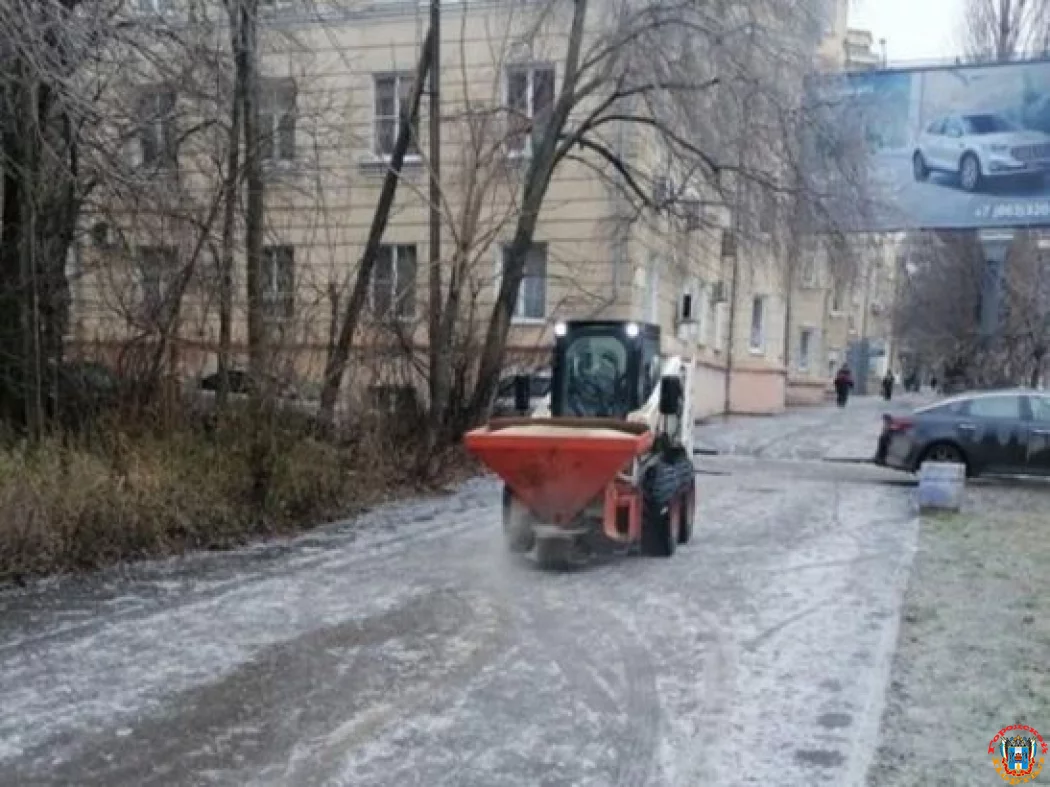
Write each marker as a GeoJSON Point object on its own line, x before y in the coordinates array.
{"type": "Point", "coordinates": [899, 423]}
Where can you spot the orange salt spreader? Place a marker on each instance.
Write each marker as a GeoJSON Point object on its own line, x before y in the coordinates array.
{"type": "Point", "coordinates": [606, 461]}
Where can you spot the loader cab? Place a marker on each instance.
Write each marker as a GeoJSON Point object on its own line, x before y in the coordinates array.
{"type": "Point", "coordinates": [604, 369]}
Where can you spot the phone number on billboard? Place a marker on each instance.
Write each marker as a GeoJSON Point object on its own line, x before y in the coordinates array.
{"type": "Point", "coordinates": [1014, 210]}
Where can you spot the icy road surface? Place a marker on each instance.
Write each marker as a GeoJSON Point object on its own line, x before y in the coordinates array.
{"type": "Point", "coordinates": [408, 649]}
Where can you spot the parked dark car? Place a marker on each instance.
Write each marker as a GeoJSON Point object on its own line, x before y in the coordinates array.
{"type": "Point", "coordinates": [84, 391]}
{"type": "Point", "coordinates": [1005, 432]}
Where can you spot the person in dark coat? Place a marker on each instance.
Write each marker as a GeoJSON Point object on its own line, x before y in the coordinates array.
{"type": "Point", "coordinates": [843, 384]}
{"type": "Point", "coordinates": [887, 385]}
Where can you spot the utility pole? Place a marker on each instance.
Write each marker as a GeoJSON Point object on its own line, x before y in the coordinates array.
{"type": "Point", "coordinates": [434, 307]}
{"type": "Point", "coordinates": [737, 225]}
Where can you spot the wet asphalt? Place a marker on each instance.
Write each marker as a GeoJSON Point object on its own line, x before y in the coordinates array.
{"type": "Point", "coordinates": [406, 648]}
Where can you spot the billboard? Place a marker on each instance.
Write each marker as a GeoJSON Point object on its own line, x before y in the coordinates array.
{"type": "Point", "coordinates": [954, 147]}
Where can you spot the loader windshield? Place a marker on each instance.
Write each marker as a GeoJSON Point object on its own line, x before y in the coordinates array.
{"type": "Point", "coordinates": [596, 377]}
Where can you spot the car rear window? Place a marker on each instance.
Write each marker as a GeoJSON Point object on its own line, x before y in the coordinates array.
{"type": "Point", "coordinates": [948, 408]}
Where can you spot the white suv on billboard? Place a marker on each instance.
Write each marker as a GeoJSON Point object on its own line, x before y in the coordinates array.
{"type": "Point", "coordinates": [978, 147]}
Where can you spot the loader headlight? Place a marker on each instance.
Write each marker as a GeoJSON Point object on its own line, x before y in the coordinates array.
{"type": "Point", "coordinates": [632, 330]}
{"type": "Point", "coordinates": [560, 329]}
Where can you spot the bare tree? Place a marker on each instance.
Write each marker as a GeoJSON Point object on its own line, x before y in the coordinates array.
{"type": "Point", "coordinates": [1000, 30]}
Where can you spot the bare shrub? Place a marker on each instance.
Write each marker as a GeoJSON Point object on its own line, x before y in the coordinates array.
{"type": "Point", "coordinates": [73, 505]}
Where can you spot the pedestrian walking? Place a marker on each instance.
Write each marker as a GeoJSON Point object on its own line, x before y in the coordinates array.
{"type": "Point", "coordinates": [887, 385]}
{"type": "Point", "coordinates": [843, 384]}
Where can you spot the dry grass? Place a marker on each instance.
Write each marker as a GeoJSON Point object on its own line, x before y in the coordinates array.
{"type": "Point", "coordinates": [973, 641]}
{"type": "Point", "coordinates": [131, 495]}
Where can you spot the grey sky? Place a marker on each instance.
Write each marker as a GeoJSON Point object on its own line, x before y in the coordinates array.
{"type": "Point", "coordinates": [913, 29]}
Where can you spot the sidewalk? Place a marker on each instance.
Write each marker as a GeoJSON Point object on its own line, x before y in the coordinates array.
{"type": "Point", "coordinates": [806, 433]}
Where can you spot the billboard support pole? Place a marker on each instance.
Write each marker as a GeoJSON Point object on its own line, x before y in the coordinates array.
{"type": "Point", "coordinates": [996, 245]}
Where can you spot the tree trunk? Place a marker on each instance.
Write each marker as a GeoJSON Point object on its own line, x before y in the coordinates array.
{"type": "Point", "coordinates": [335, 367]}
{"type": "Point", "coordinates": [229, 220]}
{"type": "Point", "coordinates": [438, 349]}
{"type": "Point", "coordinates": [537, 179]}
{"type": "Point", "coordinates": [253, 219]}
{"type": "Point", "coordinates": [261, 451]}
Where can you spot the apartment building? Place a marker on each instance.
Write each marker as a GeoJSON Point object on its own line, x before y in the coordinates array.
{"type": "Point", "coordinates": [333, 89]}
{"type": "Point", "coordinates": [842, 300]}
{"type": "Point", "coordinates": [860, 51]}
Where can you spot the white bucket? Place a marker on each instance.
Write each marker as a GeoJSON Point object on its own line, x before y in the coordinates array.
{"type": "Point", "coordinates": [941, 486]}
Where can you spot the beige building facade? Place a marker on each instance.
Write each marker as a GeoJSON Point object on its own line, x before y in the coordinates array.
{"type": "Point", "coordinates": [331, 100]}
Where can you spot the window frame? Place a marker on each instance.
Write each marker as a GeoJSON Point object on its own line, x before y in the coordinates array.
{"type": "Point", "coordinates": [758, 348]}
{"type": "Point", "coordinates": [804, 358]}
{"type": "Point", "coordinates": [167, 273]}
{"type": "Point", "coordinates": [271, 90]}
{"type": "Point", "coordinates": [518, 316]}
{"type": "Point", "coordinates": [837, 297]}
{"type": "Point", "coordinates": [413, 153]}
{"type": "Point", "coordinates": [397, 297]}
{"type": "Point", "coordinates": [162, 128]}
{"type": "Point", "coordinates": [703, 318]}
{"type": "Point", "coordinates": [279, 305]}
{"type": "Point", "coordinates": [530, 68]}
{"type": "Point", "coordinates": [768, 205]}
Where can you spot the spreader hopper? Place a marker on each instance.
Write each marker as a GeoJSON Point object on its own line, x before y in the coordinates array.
{"type": "Point", "coordinates": [557, 466]}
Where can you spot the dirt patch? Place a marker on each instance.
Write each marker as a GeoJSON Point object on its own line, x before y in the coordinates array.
{"type": "Point", "coordinates": [975, 631]}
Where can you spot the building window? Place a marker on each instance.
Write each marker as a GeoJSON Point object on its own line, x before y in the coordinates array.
{"type": "Point", "coordinates": [394, 401]}
{"type": "Point", "coordinates": [652, 294]}
{"type": "Point", "coordinates": [278, 281]}
{"type": "Point", "coordinates": [156, 128]}
{"type": "Point", "coordinates": [158, 266]}
{"type": "Point", "coordinates": [392, 95]}
{"type": "Point", "coordinates": [277, 120]}
{"type": "Point", "coordinates": [809, 271]}
{"type": "Point", "coordinates": [767, 211]}
{"type": "Point", "coordinates": [394, 283]}
{"type": "Point", "coordinates": [703, 316]}
{"type": "Point", "coordinates": [530, 98]}
{"type": "Point", "coordinates": [758, 324]}
{"type": "Point", "coordinates": [836, 298]}
{"type": "Point", "coordinates": [532, 296]}
{"type": "Point", "coordinates": [805, 348]}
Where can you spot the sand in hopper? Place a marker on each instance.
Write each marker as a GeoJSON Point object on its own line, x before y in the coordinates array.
{"type": "Point", "coordinates": [547, 430]}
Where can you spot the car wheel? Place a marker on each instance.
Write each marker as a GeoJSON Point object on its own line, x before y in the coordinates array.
{"type": "Point", "coordinates": [970, 172]}
{"type": "Point", "coordinates": [919, 168]}
{"type": "Point", "coordinates": [945, 452]}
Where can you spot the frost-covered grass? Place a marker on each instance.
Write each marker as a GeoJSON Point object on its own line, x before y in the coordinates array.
{"type": "Point", "coordinates": [974, 639]}
{"type": "Point", "coordinates": [67, 506]}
